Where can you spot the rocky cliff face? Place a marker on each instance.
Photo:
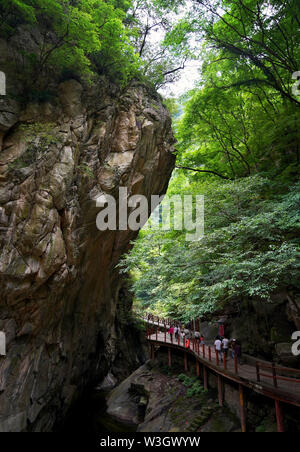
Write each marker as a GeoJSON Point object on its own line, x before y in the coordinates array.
{"type": "Point", "coordinates": [59, 286]}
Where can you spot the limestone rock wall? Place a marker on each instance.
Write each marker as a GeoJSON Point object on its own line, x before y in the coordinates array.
{"type": "Point", "coordinates": [59, 286]}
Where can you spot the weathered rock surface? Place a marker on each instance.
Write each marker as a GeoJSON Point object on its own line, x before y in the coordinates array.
{"type": "Point", "coordinates": [59, 286]}
{"type": "Point", "coordinates": [264, 329]}
{"type": "Point", "coordinates": [157, 402]}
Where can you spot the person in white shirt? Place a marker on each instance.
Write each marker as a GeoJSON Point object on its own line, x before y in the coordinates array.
{"type": "Point", "coordinates": [218, 347]}
{"type": "Point", "coordinates": [225, 345]}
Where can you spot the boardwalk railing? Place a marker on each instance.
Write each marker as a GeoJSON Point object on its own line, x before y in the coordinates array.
{"type": "Point", "coordinates": [263, 370]}
{"type": "Point", "coordinates": [203, 351]}
{"type": "Point", "coordinates": [276, 373]}
{"type": "Point", "coordinates": [218, 363]}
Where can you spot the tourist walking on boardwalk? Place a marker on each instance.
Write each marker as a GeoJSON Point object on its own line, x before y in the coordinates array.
{"type": "Point", "coordinates": [238, 351]}
{"type": "Point", "coordinates": [171, 332]}
{"type": "Point", "coordinates": [202, 341]}
{"type": "Point", "coordinates": [233, 345]}
{"type": "Point", "coordinates": [218, 347]}
{"type": "Point", "coordinates": [176, 330]}
{"type": "Point", "coordinates": [197, 336]}
{"type": "Point", "coordinates": [225, 346]}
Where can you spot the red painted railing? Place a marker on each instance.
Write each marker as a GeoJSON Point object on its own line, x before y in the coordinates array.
{"type": "Point", "coordinates": [202, 350]}
{"type": "Point", "coordinates": [276, 372]}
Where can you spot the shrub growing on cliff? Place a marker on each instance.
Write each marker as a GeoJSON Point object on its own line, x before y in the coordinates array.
{"type": "Point", "coordinates": [38, 137]}
{"type": "Point", "coordinates": [82, 36]}
{"type": "Point", "coordinates": [194, 386]}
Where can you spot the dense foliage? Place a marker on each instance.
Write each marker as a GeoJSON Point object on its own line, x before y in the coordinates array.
{"type": "Point", "coordinates": [250, 249]}
{"type": "Point", "coordinates": [238, 145]}
{"type": "Point", "coordinates": [84, 38]}
{"type": "Point", "coordinates": [79, 37]}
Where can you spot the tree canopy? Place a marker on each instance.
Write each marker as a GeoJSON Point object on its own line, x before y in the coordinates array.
{"type": "Point", "coordinates": [238, 145]}
{"type": "Point", "coordinates": [82, 36]}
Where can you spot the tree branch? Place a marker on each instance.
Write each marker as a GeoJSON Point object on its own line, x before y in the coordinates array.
{"type": "Point", "coordinates": [203, 171]}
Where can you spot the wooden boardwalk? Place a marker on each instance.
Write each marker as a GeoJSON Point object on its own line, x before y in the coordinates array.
{"type": "Point", "coordinates": [278, 383]}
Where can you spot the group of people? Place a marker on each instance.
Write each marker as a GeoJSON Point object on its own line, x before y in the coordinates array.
{"type": "Point", "coordinates": [222, 346]}
{"type": "Point", "coordinates": [185, 333]}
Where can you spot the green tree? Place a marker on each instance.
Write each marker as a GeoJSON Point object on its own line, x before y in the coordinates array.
{"type": "Point", "coordinates": [83, 36]}
{"type": "Point", "coordinates": [251, 250]}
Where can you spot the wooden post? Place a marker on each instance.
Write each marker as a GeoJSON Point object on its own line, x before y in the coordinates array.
{"type": "Point", "coordinates": [209, 353]}
{"type": "Point", "coordinates": [197, 368]}
{"type": "Point", "coordinates": [185, 362]}
{"type": "Point", "coordinates": [235, 364]}
{"type": "Point", "coordinates": [225, 361]}
{"type": "Point", "coordinates": [165, 333]}
{"type": "Point", "coordinates": [220, 390]}
{"type": "Point", "coordinates": [169, 357]}
{"type": "Point", "coordinates": [217, 357]}
{"type": "Point", "coordinates": [205, 385]}
{"type": "Point", "coordinates": [257, 371]}
{"type": "Point", "coordinates": [279, 417]}
{"type": "Point", "coordinates": [242, 408]}
{"type": "Point", "coordinates": [274, 375]}
{"type": "Point", "coordinates": [203, 350]}
{"type": "Point", "coordinates": [152, 351]}
{"type": "Point", "coordinates": [156, 333]}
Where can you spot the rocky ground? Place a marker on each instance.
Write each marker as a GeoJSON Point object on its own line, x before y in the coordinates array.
{"type": "Point", "coordinates": [157, 400]}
